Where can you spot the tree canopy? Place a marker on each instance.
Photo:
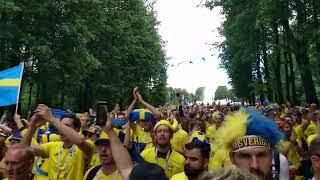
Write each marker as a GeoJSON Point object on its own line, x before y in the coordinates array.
{"type": "Point", "coordinates": [221, 92]}
{"type": "Point", "coordinates": [271, 48]}
{"type": "Point", "coordinates": [77, 52]}
{"type": "Point", "coordinates": [200, 93]}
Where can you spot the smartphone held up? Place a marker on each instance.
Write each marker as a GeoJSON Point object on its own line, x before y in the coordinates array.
{"type": "Point", "coordinates": [101, 113]}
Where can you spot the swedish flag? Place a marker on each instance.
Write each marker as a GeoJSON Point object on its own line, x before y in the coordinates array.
{"type": "Point", "coordinates": [10, 85]}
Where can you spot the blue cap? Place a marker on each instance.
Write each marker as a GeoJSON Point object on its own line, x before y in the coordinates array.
{"type": "Point", "coordinates": [16, 135]}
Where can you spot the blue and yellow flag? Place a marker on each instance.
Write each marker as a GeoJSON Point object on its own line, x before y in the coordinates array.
{"type": "Point", "coordinates": [9, 85]}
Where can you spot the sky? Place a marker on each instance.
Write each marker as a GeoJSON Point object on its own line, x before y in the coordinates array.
{"type": "Point", "coordinates": [188, 31]}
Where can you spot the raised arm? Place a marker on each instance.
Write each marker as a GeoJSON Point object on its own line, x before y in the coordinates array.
{"type": "Point", "coordinates": [73, 136]}
{"type": "Point", "coordinates": [5, 128]}
{"type": "Point", "coordinates": [155, 112]}
{"type": "Point", "coordinates": [17, 120]}
{"type": "Point", "coordinates": [119, 152]}
{"type": "Point", "coordinates": [133, 103]}
{"type": "Point", "coordinates": [127, 137]}
{"type": "Point", "coordinates": [27, 138]}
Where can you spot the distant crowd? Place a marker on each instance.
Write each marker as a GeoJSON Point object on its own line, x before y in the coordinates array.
{"type": "Point", "coordinates": [179, 142]}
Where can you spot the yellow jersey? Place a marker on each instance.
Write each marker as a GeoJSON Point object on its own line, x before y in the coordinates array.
{"type": "Point", "coordinates": [311, 129]}
{"type": "Point", "coordinates": [211, 132]}
{"type": "Point", "coordinates": [179, 139]}
{"type": "Point", "coordinates": [40, 169]}
{"type": "Point", "coordinates": [180, 176]}
{"type": "Point", "coordinates": [141, 136]}
{"type": "Point", "coordinates": [173, 164]}
{"type": "Point", "coordinates": [95, 160]}
{"type": "Point", "coordinates": [293, 156]}
{"type": "Point", "coordinates": [219, 159]}
{"type": "Point", "coordinates": [100, 175]}
{"type": "Point", "coordinates": [65, 163]}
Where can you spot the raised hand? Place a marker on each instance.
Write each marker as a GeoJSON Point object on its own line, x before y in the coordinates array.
{"type": "Point", "coordinates": [17, 117]}
{"type": "Point", "coordinates": [140, 99]}
{"type": "Point", "coordinates": [108, 125]}
{"type": "Point", "coordinates": [36, 121]}
{"type": "Point", "coordinates": [43, 112]}
{"type": "Point", "coordinates": [135, 90]}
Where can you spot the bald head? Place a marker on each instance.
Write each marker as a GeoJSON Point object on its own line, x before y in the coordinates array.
{"type": "Point", "coordinates": [18, 160]}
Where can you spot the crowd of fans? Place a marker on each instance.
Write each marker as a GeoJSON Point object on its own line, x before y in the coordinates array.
{"type": "Point", "coordinates": [178, 142]}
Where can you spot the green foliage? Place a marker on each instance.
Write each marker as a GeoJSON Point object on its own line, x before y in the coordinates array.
{"type": "Point", "coordinates": [189, 97]}
{"type": "Point", "coordinates": [199, 94]}
{"type": "Point", "coordinates": [77, 52]}
{"type": "Point", "coordinates": [222, 92]}
{"type": "Point", "coordinates": [270, 46]}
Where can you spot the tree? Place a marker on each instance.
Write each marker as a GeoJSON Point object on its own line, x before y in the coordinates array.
{"type": "Point", "coordinates": [188, 97]}
{"type": "Point", "coordinates": [75, 56]}
{"type": "Point", "coordinates": [199, 94]}
{"type": "Point", "coordinates": [221, 92]}
{"type": "Point", "coordinates": [262, 40]}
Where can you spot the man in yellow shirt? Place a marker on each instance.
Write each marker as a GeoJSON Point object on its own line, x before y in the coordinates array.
{"type": "Point", "coordinates": [163, 155]}
{"type": "Point", "coordinates": [179, 139]}
{"type": "Point", "coordinates": [19, 160]}
{"type": "Point", "coordinates": [197, 159]}
{"type": "Point", "coordinates": [67, 159]}
{"type": "Point", "coordinates": [115, 160]}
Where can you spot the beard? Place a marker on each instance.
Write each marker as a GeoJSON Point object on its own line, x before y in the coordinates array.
{"type": "Point", "coordinates": [261, 175]}
{"type": "Point", "coordinates": [164, 145]}
{"type": "Point", "coordinates": [192, 173]}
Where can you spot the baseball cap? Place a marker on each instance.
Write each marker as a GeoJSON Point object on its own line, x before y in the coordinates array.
{"type": "Point", "coordinates": [93, 129]}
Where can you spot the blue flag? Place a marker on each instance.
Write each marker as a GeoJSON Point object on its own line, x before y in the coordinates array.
{"type": "Point", "coordinates": [10, 84]}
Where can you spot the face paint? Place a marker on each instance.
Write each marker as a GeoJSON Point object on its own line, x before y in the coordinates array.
{"type": "Point", "coordinates": [20, 170]}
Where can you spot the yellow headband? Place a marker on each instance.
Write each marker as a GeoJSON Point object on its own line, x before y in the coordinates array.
{"type": "Point", "coordinates": [249, 142]}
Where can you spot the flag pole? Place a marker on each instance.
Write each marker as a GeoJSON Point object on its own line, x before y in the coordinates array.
{"type": "Point", "coordinates": [18, 97]}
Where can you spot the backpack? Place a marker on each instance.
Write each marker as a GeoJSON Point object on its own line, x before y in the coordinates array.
{"type": "Point", "coordinates": [275, 165]}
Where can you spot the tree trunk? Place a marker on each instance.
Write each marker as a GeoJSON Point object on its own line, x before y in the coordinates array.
{"type": "Point", "coordinates": [295, 101]}
{"type": "Point", "coordinates": [277, 64]}
{"type": "Point", "coordinates": [300, 49]}
{"type": "Point", "coordinates": [259, 76]}
{"type": "Point", "coordinates": [306, 75]}
{"type": "Point", "coordinates": [266, 65]}
{"type": "Point", "coordinates": [38, 94]}
{"type": "Point", "coordinates": [30, 96]}
{"type": "Point", "coordinates": [286, 68]}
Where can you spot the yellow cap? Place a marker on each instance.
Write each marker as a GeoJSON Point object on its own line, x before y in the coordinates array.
{"type": "Point", "coordinates": [163, 122]}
